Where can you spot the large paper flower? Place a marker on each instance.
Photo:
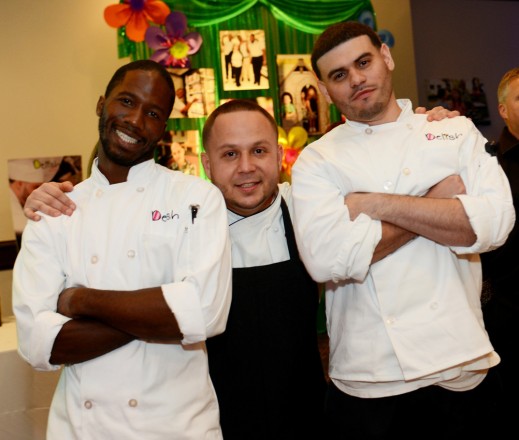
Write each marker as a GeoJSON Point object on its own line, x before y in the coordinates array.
{"type": "Point", "coordinates": [136, 15]}
{"type": "Point", "coordinates": [292, 145]}
{"type": "Point", "coordinates": [173, 46]}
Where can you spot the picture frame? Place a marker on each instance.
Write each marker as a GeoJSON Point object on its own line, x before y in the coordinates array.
{"type": "Point", "coordinates": [244, 60]}
{"type": "Point", "coordinates": [195, 92]}
{"type": "Point", "coordinates": [301, 102]}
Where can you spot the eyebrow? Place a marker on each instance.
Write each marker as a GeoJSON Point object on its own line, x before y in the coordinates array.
{"type": "Point", "coordinates": [339, 69]}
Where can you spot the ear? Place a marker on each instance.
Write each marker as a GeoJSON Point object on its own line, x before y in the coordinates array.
{"type": "Point", "coordinates": [100, 105]}
{"type": "Point", "coordinates": [387, 57]}
{"type": "Point", "coordinates": [280, 156]}
{"type": "Point", "coordinates": [324, 91]}
{"type": "Point", "coordinates": [502, 111]}
{"type": "Point", "coordinates": [206, 163]}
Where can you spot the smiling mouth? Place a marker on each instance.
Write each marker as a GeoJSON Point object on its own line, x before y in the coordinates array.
{"type": "Point", "coordinates": [125, 138]}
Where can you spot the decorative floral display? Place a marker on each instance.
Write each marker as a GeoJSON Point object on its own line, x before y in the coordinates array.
{"type": "Point", "coordinates": [173, 45]}
{"type": "Point", "coordinates": [136, 16]}
{"type": "Point", "coordinates": [292, 144]}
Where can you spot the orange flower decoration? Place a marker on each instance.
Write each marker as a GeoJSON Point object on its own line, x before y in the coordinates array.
{"type": "Point", "coordinates": [136, 15]}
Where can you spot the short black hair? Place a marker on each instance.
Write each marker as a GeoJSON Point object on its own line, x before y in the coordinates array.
{"type": "Point", "coordinates": [235, 105]}
{"type": "Point", "coordinates": [147, 65]}
{"type": "Point", "coordinates": [337, 34]}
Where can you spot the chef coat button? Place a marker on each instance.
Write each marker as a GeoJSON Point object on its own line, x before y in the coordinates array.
{"type": "Point", "coordinates": [388, 185]}
{"type": "Point", "coordinates": [131, 253]}
{"type": "Point", "coordinates": [99, 193]}
{"type": "Point", "coordinates": [406, 171]}
{"type": "Point", "coordinates": [132, 403]}
{"type": "Point", "coordinates": [94, 259]}
{"type": "Point", "coordinates": [409, 126]}
{"type": "Point", "coordinates": [88, 404]}
{"type": "Point", "coordinates": [369, 130]}
{"type": "Point", "coordinates": [276, 229]}
{"type": "Point", "coordinates": [390, 321]}
{"type": "Point", "coordinates": [140, 189]}
{"type": "Point", "coordinates": [434, 305]}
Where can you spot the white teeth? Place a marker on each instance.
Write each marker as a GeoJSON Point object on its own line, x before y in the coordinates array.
{"type": "Point", "coordinates": [247, 185]}
{"type": "Point", "coordinates": [125, 137]}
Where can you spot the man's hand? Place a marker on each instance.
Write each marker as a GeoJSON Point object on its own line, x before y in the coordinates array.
{"type": "Point", "coordinates": [50, 199]}
{"type": "Point", "coordinates": [447, 188]}
{"type": "Point", "coordinates": [437, 113]}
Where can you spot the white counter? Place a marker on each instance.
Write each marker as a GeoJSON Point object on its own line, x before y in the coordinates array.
{"type": "Point", "coordinates": [25, 394]}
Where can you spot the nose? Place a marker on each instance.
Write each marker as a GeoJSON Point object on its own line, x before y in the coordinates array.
{"type": "Point", "coordinates": [246, 163]}
{"type": "Point", "coordinates": [135, 117]}
{"type": "Point", "coordinates": [356, 78]}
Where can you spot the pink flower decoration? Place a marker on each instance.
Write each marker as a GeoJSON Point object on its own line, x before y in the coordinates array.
{"type": "Point", "coordinates": [173, 46]}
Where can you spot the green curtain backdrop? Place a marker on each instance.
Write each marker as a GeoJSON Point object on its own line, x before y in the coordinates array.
{"type": "Point", "coordinates": [291, 27]}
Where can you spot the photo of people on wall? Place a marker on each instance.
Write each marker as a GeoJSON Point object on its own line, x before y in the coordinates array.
{"type": "Point", "coordinates": [179, 150]}
{"type": "Point", "coordinates": [244, 61]}
{"type": "Point", "coordinates": [195, 92]}
{"type": "Point", "coordinates": [301, 102]}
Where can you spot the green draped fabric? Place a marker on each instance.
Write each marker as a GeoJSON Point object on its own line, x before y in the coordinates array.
{"type": "Point", "coordinates": [291, 27]}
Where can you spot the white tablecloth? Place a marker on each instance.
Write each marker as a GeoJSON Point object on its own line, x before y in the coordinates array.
{"type": "Point", "coordinates": [25, 394]}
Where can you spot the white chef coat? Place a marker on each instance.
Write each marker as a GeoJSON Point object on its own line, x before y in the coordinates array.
{"type": "Point", "coordinates": [396, 324]}
{"type": "Point", "coordinates": [259, 239]}
{"type": "Point", "coordinates": [126, 236]}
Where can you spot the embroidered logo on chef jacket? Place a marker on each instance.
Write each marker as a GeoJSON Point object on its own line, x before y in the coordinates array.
{"type": "Point", "coordinates": [442, 136]}
{"type": "Point", "coordinates": [157, 215]}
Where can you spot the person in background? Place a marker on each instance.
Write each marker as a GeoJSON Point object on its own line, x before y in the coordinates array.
{"type": "Point", "coordinates": [124, 293]}
{"type": "Point", "coordinates": [258, 57]}
{"type": "Point", "coordinates": [236, 63]}
{"type": "Point", "coordinates": [266, 366]}
{"type": "Point", "coordinates": [391, 212]}
{"type": "Point", "coordinates": [179, 161]}
{"type": "Point", "coordinates": [501, 268]}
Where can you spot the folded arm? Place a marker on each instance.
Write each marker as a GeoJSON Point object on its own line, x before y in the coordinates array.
{"type": "Point", "coordinates": [437, 216]}
{"type": "Point", "coordinates": [143, 313]}
{"type": "Point", "coordinates": [81, 340]}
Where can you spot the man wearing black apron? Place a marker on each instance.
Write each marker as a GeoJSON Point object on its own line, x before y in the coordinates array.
{"type": "Point", "coordinates": [266, 366]}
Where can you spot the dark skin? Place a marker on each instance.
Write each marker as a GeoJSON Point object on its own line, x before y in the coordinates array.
{"type": "Point", "coordinates": [132, 119]}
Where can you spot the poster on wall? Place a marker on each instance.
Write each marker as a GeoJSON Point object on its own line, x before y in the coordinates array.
{"type": "Point", "coordinates": [180, 151]}
{"type": "Point", "coordinates": [244, 60]}
{"type": "Point", "coordinates": [195, 92]}
{"type": "Point", "coordinates": [466, 96]}
{"type": "Point", "coordinates": [25, 175]}
{"type": "Point", "coordinates": [301, 102]}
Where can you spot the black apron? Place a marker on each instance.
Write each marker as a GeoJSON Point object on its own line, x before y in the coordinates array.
{"type": "Point", "coordinates": [266, 367]}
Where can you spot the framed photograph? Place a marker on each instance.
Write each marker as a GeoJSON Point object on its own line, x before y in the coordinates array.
{"type": "Point", "coordinates": [25, 175]}
{"type": "Point", "coordinates": [301, 102]}
{"type": "Point", "coordinates": [466, 96]}
{"type": "Point", "coordinates": [195, 92]}
{"type": "Point", "coordinates": [244, 61]}
{"type": "Point", "coordinates": [180, 150]}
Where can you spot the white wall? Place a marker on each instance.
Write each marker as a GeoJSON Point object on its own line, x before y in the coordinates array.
{"type": "Point", "coordinates": [56, 57]}
{"type": "Point", "coordinates": [395, 16]}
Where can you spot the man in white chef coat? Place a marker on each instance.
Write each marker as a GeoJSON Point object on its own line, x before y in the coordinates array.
{"type": "Point", "coordinates": [125, 291]}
